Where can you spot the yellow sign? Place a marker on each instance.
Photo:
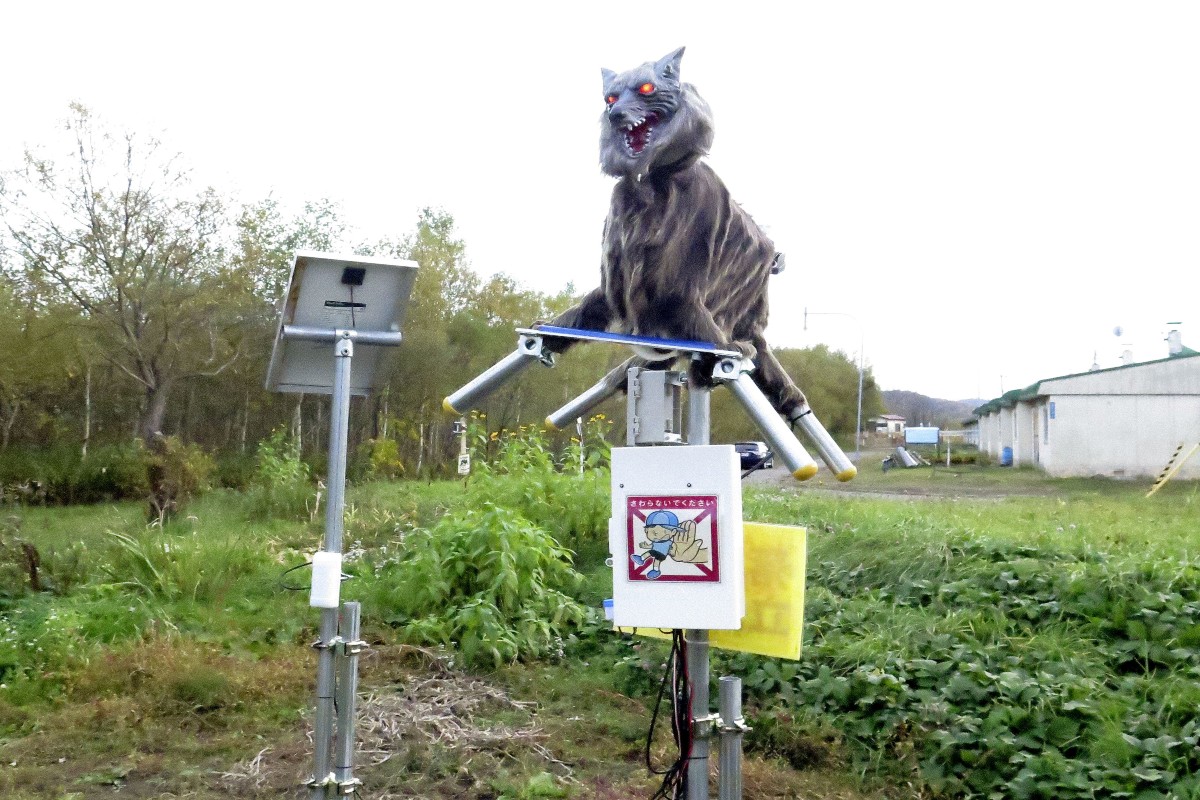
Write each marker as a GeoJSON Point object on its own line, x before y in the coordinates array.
{"type": "Point", "coordinates": [774, 621]}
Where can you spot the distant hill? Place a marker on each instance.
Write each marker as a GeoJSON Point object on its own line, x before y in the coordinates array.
{"type": "Point", "coordinates": [917, 409]}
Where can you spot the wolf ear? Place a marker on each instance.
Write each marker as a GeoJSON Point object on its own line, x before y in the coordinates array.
{"type": "Point", "coordinates": [607, 75]}
{"type": "Point", "coordinates": [668, 65]}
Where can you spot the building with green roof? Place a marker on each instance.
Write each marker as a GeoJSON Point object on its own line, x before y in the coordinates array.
{"type": "Point", "coordinates": [1123, 421]}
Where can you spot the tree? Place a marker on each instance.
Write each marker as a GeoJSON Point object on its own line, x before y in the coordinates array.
{"type": "Point", "coordinates": [34, 361]}
{"type": "Point", "coordinates": [121, 234]}
{"type": "Point", "coordinates": [828, 378]}
{"type": "Point", "coordinates": [261, 252]}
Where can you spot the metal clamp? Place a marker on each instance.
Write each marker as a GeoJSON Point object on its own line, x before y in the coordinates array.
{"type": "Point", "coordinates": [345, 648]}
{"type": "Point", "coordinates": [737, 726]}
{"type": "Point", "coordinates": [534, 344]}
{"type": "Point", "coordinates": [705, 727]}
{"type": "Point", "coordinates": [349, 787]}
{"type": "Point", "coordinates": [730, 369]}
{"type": "Point", "coordinates": [332, 644]}
{"type": "Point", "coordinates": [330, 786]}
{"type": "Point", "coordinates": [327, 783]}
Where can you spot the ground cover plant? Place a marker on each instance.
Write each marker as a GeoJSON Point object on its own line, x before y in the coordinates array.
{"type": "Point", "coordinates": [1034, 647]}
{"type": "Point", "coordinates": [1013, 646]}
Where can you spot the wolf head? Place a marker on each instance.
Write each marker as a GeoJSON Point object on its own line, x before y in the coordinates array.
{"type": "Point", "coordinates": [651, 120]}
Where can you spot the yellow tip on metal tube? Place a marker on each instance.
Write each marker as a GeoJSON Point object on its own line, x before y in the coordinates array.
{"type": "Point", "coordinates": [550, 426]}
{"type": "Point", "coordinates": [847, 474]}
{"type": "Point", "coordinates": [805, 472]}
{"type": "Point", "coordinates": [449, 409]}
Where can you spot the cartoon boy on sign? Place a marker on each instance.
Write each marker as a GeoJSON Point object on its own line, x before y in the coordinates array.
{"type": "Point", "coordinates": [669, 538]}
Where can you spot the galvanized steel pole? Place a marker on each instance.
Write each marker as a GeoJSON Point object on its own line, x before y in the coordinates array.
{"type": "Point", "coordinates": [339, 423]}
{"type": "Point", "coordinates": [732, 727]}
{"type": "Point", "coordinates": [698, 433]}
{"type": "Point", "coordinates": [347, 694]}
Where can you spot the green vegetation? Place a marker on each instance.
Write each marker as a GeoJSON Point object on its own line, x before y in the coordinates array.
{"type": "Point", "coordinates": [151, 305]}
{"type": "Point", "coordinates": [1034, 647]}
{"type": "Point", "coordinates": [1041, 642]}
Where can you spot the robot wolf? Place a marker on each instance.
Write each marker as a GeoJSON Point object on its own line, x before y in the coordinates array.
{"type": "Point", "coordinates": [680, 258]}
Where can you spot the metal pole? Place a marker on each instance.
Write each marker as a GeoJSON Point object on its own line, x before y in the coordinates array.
{"type": "Point", "coordinates": [347, 694]}
{"type": "Point", "coordinates": [699, 415]}
{"type": "Point", "coordinates": [579, 432]}
{"type": "Point", "coordinates": [858, 425]}
{"type": "Point", "coordinates": [732, 728]}
{"type": "Point", "coordinates": [603, 389]}
{"type": "Point", "coordinates": [339, 423]}
{"type": "Point", "coordinates": [697, 664]}
{"type": "Point", "coordinates": [861, 345]}
{"type": "Point", "coordinates": [529, 349]}
{"type": "Point", "coordinates": [773, 428]}
{"type": "Point", "coordinates": [698, 433]}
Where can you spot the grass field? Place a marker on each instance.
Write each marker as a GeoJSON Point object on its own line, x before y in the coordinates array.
{"type": "Point", "coordinates": [1003, 635]}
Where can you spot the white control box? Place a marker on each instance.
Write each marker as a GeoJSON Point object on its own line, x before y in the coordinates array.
{"type": "Point", "coordinates": [676, 538]}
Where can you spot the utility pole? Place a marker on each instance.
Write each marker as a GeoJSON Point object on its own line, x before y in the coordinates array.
{"type": "Point", "coordinates": [861, 340]}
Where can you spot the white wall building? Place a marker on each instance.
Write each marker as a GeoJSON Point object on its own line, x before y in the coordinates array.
{"type": "Point", "coordinates": [1120, 422]}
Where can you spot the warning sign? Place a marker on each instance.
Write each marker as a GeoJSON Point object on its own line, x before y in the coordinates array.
{"type": "Point", "coordinates": [673, 538]}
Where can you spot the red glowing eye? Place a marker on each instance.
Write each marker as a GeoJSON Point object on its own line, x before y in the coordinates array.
{"type": "Point", "coordinates": [612, 98]}
{"type": "Point", "coordinates": [646, 88]}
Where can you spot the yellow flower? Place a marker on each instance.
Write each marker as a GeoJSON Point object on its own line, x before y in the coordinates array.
{"type": "Point", "coordinates": [494, 436]}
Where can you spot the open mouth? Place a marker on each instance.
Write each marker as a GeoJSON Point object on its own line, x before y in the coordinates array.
{"type": "Point", "coordinates": [638, 134]}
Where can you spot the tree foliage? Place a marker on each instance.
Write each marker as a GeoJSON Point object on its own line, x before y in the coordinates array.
{"type": "Point", "coordinates": [137, 303]}
{"type": "Point", "coordinates": [118, 235]}
{"type": "Point", "coordinates": [828, 378]}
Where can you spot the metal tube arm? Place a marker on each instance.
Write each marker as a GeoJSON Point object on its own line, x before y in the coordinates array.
{"type": "Point", "coordinates": [774, 429]}
{"type": "Point", "coordinates": [605, 388]}
{"type": "Point", "coordinates": [827, 448]}
{"type": "Point", "coordinates": [313, 334]}
{"type": "Point", "coordinates": [529, 349]}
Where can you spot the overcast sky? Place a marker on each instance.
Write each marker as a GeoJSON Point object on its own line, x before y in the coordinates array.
{"type": "Point", "coordinates": [989, 189]}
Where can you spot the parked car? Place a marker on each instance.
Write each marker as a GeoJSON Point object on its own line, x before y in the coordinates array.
{"type": "Point", "coordinates": [754, 454]}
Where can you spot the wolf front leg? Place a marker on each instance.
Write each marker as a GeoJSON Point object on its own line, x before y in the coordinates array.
{"type": "Point", "coordinates": [593, 313]}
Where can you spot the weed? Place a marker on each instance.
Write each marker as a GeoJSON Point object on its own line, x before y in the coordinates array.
{"type": "Point", "coordinates": [282, 485]}
{"type": "Point", "coordinates": [485, 579]}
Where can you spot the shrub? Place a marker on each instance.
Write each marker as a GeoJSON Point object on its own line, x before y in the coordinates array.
{"type": "Point", "coordinates": [169, 566]}
{"type": "Point", "coordinates": [62, 476]}
{"type": "Point", "coordinates": [380, 460]}
{"type": "Point", "coordinates": [18, 562]}
{"type": "Point", "coordinates": [176, 472]}
{"type": "Point", "coordinates": [523, 476]}
{"type": "Point", "coordinates": [486, 579]}
{"type": "Point", "coordinates": [236, 471]}
{"type": "Point", "coordinates": [282, 481]}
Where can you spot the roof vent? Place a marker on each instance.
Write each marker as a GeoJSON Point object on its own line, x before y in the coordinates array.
{"type": "Point", "coordinates": [1174, 341]}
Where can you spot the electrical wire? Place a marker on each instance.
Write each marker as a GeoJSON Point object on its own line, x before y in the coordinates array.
{"type": "Point", "coordinates": [284, 574]}
{"type": "Point", "coordinates": [289, 587]}
{"type": "Point", "coordinates": [674, 782]}
{"type": "Point", "coordinates": [762, 464]}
